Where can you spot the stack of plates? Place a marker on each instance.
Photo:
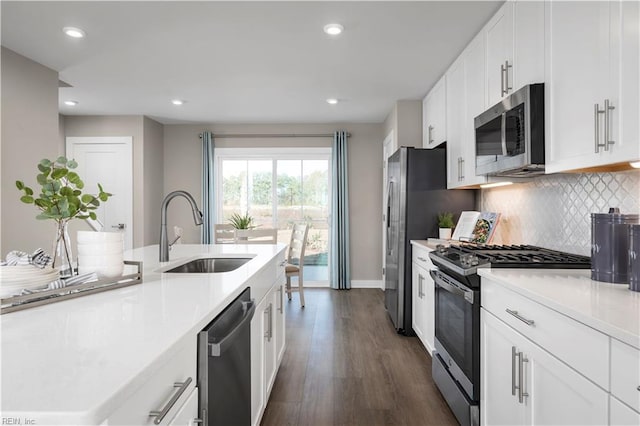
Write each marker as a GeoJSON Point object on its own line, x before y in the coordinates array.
{"type": "Point", "coordinates": [13, 279]}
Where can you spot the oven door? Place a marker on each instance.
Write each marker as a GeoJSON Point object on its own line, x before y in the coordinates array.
{"type": "Point", "coordinates": [457, 330]}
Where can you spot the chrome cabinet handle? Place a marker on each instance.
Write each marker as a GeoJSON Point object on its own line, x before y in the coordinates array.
{"type": "Point", "coordinates": [270, 321]}
{"type": "Point", "coordinates": [422, 259]}
{"type": "Point", "coordinates": [607, 127]}
{"type": "Point", "coordinates": [520, 317]}
{"type": "Point", "coordinates": [504, 74]}
{"type": "Point", "coordinates": [430, 131]}
{"type": "Point", "coordinates": [284, 262]}
{"type": "Point", "coordinates": [281, 300]}
{"type": "Point", "coordinates": [420, 279]}
{"type": "Point", "coordinates": [160, 415]}
{"type": "Point", "coordinates": [521, 393]}
{"type": "Point", "coordinates": [462, 160]}
{"type": "Point", "coordinates": [596, 118]}
{"type": "Point", "coordinates": [514, 354]}
{"type": "Point", "coordinates": [502, 91]}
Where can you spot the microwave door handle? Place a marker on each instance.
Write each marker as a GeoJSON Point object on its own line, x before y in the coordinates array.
{"type": "Point", "coordinates": [503, 133]}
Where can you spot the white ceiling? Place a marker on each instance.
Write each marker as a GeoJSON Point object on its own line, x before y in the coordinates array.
{"type": "Point", "coordinates": [263, 62]}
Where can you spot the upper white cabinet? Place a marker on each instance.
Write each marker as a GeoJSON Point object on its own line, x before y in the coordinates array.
{"type": "Point", "coordinates": [434, 130]}
{"type": "Point", "coordinates": [466, 98]}
{"type": "Point", "coordinates": [528, 43]}
{"type": "Point", "coordinates": [499, 36]}
{"type": "Point", "coordinates": [592, 89]}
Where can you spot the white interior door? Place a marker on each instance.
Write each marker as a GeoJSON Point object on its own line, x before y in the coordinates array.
{"type": "Point", "coordinates": [387, 150]}
{"type": "Point", "coordinates": [108, 161]}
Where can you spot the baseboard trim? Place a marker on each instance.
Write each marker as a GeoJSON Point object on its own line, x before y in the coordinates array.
{"type": "Point", "coordinates": [354, 284]}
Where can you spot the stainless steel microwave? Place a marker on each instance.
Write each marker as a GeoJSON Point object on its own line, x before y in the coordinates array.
{"type": "Point", "coordinates": [509, 136]}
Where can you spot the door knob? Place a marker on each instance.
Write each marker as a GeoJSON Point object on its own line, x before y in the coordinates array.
{"type": "Point", "coordinates": [119, 226]}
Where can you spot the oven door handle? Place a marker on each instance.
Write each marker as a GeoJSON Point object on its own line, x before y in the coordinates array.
{"type": "Point", "coordinates": [451, 288]}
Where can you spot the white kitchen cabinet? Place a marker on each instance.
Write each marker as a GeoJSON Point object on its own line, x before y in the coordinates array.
{"type": "Point", "coordinates": [269, 335]}
{"type": "Point", "coordinates": [528, 43]}
{"type": "Point", "coordinates": [187, 415]}
{"type": "Point", "coordinates": [591, 91]}
{"type": "Point", "coordinates": [500, 41]}
{"type": "Point", "coordinates": [423, 296]}
{"type": "Point", "coordinates": [625, 373]}
{"type": "Point", "coordinates": [176, 376]}
{"type": "Point", "coordinates": [622, 414]}
{"type": "Point", "coordinates": [466, 98]}
{"type": "Point", "coordinates": [279, 327]}
{"type": "Point", "coordinates": [258, 394]}
{"type": "Point", "coordinates": [524, 384]}
{"type": "Point", "coordinates": [434, 124]}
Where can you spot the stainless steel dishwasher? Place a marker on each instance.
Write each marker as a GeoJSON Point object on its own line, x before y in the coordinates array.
{"type": "Point", "coordinates": [224, 365]}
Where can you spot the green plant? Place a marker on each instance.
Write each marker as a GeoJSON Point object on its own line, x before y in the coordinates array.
{"type": "Point", "coordinates": [61, 199]}
{"type": "Point", "coordinates": [239, 221]}
{"type": "Point", "coordinates": [445, 220]}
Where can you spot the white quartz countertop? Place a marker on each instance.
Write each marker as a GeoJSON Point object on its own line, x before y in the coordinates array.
{"type": "Point", "coordinates": [432, 243]}
{"type": "Point", "coordinates": [72, 362]}
{"type": "Point", "coordinates": [610, 308]}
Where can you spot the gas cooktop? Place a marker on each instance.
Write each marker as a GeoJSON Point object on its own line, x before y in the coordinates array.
{"type": "Point", "coordinates": [466, 259]}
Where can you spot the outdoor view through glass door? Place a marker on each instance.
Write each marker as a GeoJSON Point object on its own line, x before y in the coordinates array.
{"type": "Point", "coordinates": [279, 188]}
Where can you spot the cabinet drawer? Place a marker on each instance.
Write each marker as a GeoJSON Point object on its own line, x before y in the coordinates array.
{"type": "Point", "coordinates": [620, 414]}
{"type": "Point", "coordinates": [581, 347]}
{"type": "Point", "coordinates": [625, 373]}
{"type": "Point", "coordinates": [420, 256]}
{"type": "Point", "coordinates": [157, 392]}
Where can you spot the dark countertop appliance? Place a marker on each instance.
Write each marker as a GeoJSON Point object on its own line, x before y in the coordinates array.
{"type": "Point", "coordinates": [456, 359]}
{"type": "Point", "coordinates": [417, 192]}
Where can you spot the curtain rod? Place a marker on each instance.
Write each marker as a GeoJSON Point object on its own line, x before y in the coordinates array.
{"type": "Point", "coordinates": [273, 135]}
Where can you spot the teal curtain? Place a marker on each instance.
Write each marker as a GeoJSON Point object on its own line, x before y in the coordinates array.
{"type": "Point", "coordinates": [339, 253]}
{"type": "Point", "coordinates": [208, 189]}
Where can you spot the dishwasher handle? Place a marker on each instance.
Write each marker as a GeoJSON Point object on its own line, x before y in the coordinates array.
{"type": "Point", "coordinates": [216, 349]}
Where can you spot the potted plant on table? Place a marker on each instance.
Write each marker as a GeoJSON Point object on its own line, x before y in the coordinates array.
{"type": "Point", "coordinates": [445, 224]}
{"type": "Point", "coordinates": [61, 200]}
{"type": "Point", "coordinates": [239, 221]}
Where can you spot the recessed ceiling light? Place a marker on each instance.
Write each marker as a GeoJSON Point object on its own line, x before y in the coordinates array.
{"type": "Point", "coordinates": [74, 32]}
{"type": "Point", "coordinates": [333, 29]}
{"type": "Point", "coordinates": [332, 101]}
{"type": "Point", "coordinates": [635, 165]}
{"type": "Point", "coordinates": [177, 101]}
{"type": "Point", "coordinates": [71, 103]}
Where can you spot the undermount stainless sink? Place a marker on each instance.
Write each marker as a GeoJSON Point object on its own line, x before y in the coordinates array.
{"type": "Point", "coordinates": [211, 265]}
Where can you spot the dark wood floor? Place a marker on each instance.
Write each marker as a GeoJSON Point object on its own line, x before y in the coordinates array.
{"type": "Point", "coordinates": [345, 365]}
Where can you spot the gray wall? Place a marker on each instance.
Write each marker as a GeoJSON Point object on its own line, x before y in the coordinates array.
{"type": "Point", "coordinates": [29, 133]}
{"type": "Point", "coordinates": [405, 119]}
{"type": "Point", "coordinates": [182, 171]}
{"type": "Point", "coordinates": [153, 179]}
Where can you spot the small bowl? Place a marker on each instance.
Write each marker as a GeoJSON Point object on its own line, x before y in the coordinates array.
{"type": "Point", "coordinates": [98, 249]}
{"type": "Point", "coordinates": [99, 237]}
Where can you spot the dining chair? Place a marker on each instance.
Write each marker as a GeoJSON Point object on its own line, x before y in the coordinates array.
{"type": "Point", "coordinates": [296, 251]}
{"type": "Point", "coordinates": [224, 233]}
{"type": "Point", "coordinates": [256, 236]}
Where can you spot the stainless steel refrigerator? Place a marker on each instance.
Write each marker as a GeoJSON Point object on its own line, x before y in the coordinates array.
{"type": "Point", "coordinates": [417, 192]}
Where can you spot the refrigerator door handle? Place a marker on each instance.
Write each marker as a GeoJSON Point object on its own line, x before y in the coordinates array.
{"type": "Point", "coordinates": [389, 193]}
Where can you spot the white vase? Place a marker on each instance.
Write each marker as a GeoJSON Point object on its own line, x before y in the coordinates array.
{"type": "Point", "coordinates": [445, 233]}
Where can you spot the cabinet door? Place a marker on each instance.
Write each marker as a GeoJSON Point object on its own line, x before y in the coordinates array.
{"type": "Point", "coordinates": [577, 76]}
{"type": "Point", "coordinates": [455, 114]}
{"type": "Point", "coordinates": [498, 373]}
{"type": "Point", "coordinates": [416, 300]}
{"type": "Point", "coordinates": [475, 104]}
{"type": "Point", "coordinates": [528, 39]}
{"type": "Point", "coordinates": [187, 415]}
{"type": "Point", "coordinates": [622, 414]}
{"type": "Point", "coordinates": [428, 302]}
{"type": "Point", "coordinates": [499, 36]}
{"type": "Point", "coordinates": [279, 328]}
{"type": "Point", "coordinates": [434, 130]}
{"type": "Point", "coordinates": [558, 394]}
{"type": "Point", "coordinates": [258, 399]}
{"type": "Point", "coordinates": [270, 356]}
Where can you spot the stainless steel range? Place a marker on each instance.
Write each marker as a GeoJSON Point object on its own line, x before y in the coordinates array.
{"type": "Point", "coordinates": [456, 361]}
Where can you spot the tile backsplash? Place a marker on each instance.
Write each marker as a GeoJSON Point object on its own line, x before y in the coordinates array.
{"type": "Point", "coordinates": [555, 211]}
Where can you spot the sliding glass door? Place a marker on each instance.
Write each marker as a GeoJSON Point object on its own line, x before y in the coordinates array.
{"type": "Point", "coordinates": [279, 188]}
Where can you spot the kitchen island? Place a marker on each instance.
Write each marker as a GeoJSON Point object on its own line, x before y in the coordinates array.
{"type": "Point", "coordinates": [79, 361]}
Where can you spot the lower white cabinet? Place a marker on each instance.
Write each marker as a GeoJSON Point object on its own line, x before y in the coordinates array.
{"type": "Point", "coordinates": [176, 377]}
{"type": "Point", "coordinates": [621, 414]}
{"type": "Point", "coordinates": [187, 415]}
{"type": "Point", "coordinates": [267, 346]}
{"type": "Point", "coordinates": [422, 298]}
{"type": "Point", "coordinates": [524, 384]}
